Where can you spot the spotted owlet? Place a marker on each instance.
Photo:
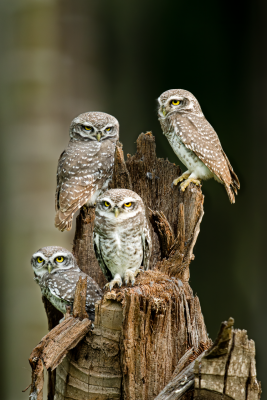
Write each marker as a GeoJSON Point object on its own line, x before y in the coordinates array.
{"type": "Point", "coordinates": [121, 236]}
{"type": "Point", "coordinates": [57, 273]}
{"type": "Point", "coordinates": [86, 166]}
{"type": "Point", "coordinates": [194, 141]}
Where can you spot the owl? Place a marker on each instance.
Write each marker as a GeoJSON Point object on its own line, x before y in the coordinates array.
{"type": "Point", "coordinates": [57, 273]}
{"type": "Point", "coordinates": [122, 239]}
{"type": "Point", "coordinates": [86, 166]}
{"type": "Point", "coordinates": [194, 141]}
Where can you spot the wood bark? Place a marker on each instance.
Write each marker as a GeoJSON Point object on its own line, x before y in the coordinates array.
{"type": "Point", "coordinates": [148, 340]}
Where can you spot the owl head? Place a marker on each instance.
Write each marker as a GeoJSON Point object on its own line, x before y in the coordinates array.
{"type": "Point", "coordinates": [118, 205]}
{"type": "Point", "coordinates": [51, 260]}
{"type": "Point", "coordinates": [177, 100]}
{"type": "Point", "coordinates": [95, 126]}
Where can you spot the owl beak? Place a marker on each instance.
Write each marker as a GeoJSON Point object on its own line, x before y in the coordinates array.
{"type": "Point", "coordinates": [116, 211]}
{"type": "Point", "coordinates": [49, 268]}
{"type": "Point", "coordinates": [163, 110]}
{"type": "Point", "coordinates": [98, 135]}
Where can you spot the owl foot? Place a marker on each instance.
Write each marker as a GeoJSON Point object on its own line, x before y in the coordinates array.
{"type": "Point", "coordinates": [181, 178]}
{"type": "Point", "coordinates": [188, 181]}
{"type": "Point", "coordinates": [130, 276]}
{"type": "Point", "coordinates": [116, 281]}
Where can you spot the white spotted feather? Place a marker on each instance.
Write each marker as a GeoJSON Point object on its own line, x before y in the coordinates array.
{"type": "Point", "coordinates": [58, 280]}
{"type": "Point", "coordinates": [121, 236]}
{"type": "Point", "coordinates": [194, 140]}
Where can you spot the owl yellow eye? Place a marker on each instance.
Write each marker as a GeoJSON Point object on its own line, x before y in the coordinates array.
{"type": "Point", "coordinates": [107, 204]}
{"type": "Point", "coordinates": [175, 102]}
{"type": "Point", "coordinates": [60, 259]}
{"type": "Point", "coordinates": [40, 260]}
{"type": "Point", "coordinates": [128, 204]}
{"type": "Point", "coordinates": [87, 128]}
{"type": "Point", "coordinates": [108, 129]}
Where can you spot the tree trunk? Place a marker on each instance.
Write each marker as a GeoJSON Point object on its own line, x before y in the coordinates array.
{"type": "Point", "coordinates": [120, 357]}
{"type": "Point", "coordinates": [153, 334]}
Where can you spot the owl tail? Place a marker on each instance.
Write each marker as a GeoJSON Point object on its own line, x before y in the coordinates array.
{"type": "Point", "coordinates": [231, 193]}
{"type": "Point", "coordinates": [234, 184]}
{"type": "Point", "coordinates": [62, 221]}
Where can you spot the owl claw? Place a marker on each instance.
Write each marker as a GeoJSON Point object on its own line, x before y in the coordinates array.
{"type": "Point", "coordinates": [181, 178]}
{"type": "Point", "coordinates": [188, 181]}
{"type": "Point", "coordinates": [117, 280]}
{"type": "Point", "coordinates": [130, 276]}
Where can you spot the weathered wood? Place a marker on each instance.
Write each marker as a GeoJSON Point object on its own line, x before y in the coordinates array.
{"type": "Point", "coordinates": [140, 334]}
{"type": "Point", "coordinates": [93, 370]}
{"type": "Point", "coordinates": [56, 344]}
{"type": "Point", "coordinates": [159, 325]}
{"type": "Point", "coordinates": [183, 380]}
{"type": "Point", "coordinates": [53, 348]}
{"type": "Point", "coordinates": [228, 369]}
{"type": "Point", "coordinates": [79, 304]}
{"type": "Point", "coordinates": [83, 248]}
{"type": "Point", "coordinates": [160, 311]}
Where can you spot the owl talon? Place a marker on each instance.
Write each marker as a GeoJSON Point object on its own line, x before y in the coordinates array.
{"type": "Point", "coordinates": [117, 280]}
{"type": "Point", "coordinates": [181, 178]}
{"type": "Point", "coordinates": [184, 185]}
{"type": "Point", "coordinates": [131, 275]}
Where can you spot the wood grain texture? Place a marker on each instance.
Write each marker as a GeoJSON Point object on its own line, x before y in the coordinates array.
{"type": "Point", "coordinates": [159, 326]}
{"type": "Point", "coordinates": [93, 369]}
{"type": "Point", "coordinates": [228, 369]}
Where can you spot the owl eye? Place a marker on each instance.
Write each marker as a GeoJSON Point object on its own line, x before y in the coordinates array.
{"type": "Point", "coordinates": [175, 102]}
{"type": "Point", "coordinates": [127, 204]}
{"type": "Point", "coordinates": [108, 129]}
{"type": "Point", "coordinates": [60, 259]}
{"type": "Point", "coordinates": [106, 204]}
{"type": "Point", "coordinates": [87, 128]}
{"type": "Point", "coordinates": [40, 260]}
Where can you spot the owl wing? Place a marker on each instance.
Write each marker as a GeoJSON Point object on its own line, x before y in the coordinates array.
{"type": "Point", "coordinates": [62, 285]}
{"type": "Point", "coordinates": [199, 136]}
{"type": "Point", "coordinates": [82, 171]}
{"type": "Point", "coordinates": [59, 168]}
{"type": "Point", "coordinates": [101, 262]}
{"type": "Point", "coordinates": [147, 246]}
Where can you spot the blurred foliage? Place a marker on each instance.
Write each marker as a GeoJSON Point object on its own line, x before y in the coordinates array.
{"type": "Point", "coordinates": [61, 58]}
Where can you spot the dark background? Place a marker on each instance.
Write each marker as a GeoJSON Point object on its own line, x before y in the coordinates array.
{"type": "Point", "coordinates": [62, 58]}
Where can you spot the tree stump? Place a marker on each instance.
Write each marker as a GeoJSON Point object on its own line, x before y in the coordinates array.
{"type": "Point", "coordinates": [147, 335]}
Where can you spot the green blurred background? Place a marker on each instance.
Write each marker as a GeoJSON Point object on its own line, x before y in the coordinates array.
{"type": "Point", "coordinates": [61, 58]}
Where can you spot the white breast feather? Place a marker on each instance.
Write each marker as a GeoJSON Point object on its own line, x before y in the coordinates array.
{"type": "Point", "coordinates": [188, 157]}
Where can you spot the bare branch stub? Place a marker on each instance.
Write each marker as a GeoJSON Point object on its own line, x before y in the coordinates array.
{"type": "Point", "coordinates": [83, 247]}
{"type": "Point", "coordinates": [53, 348]}
{"type": "Point", "coordinates": [183, 377]}
{"type": "Point", "coordinates": [79, 304]}
{"type": "Point", "coordinates": [228, 369]}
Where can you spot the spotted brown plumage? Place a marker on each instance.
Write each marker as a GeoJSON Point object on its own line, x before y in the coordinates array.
{"type": "Point", "coordinates": [57, 273]}
{"type": "Point", "coordinates": [122, 239]}
{"type": "Point", "coordinates": [86, 166]}
{"type": "Point", "coordinates": [194, 141]}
